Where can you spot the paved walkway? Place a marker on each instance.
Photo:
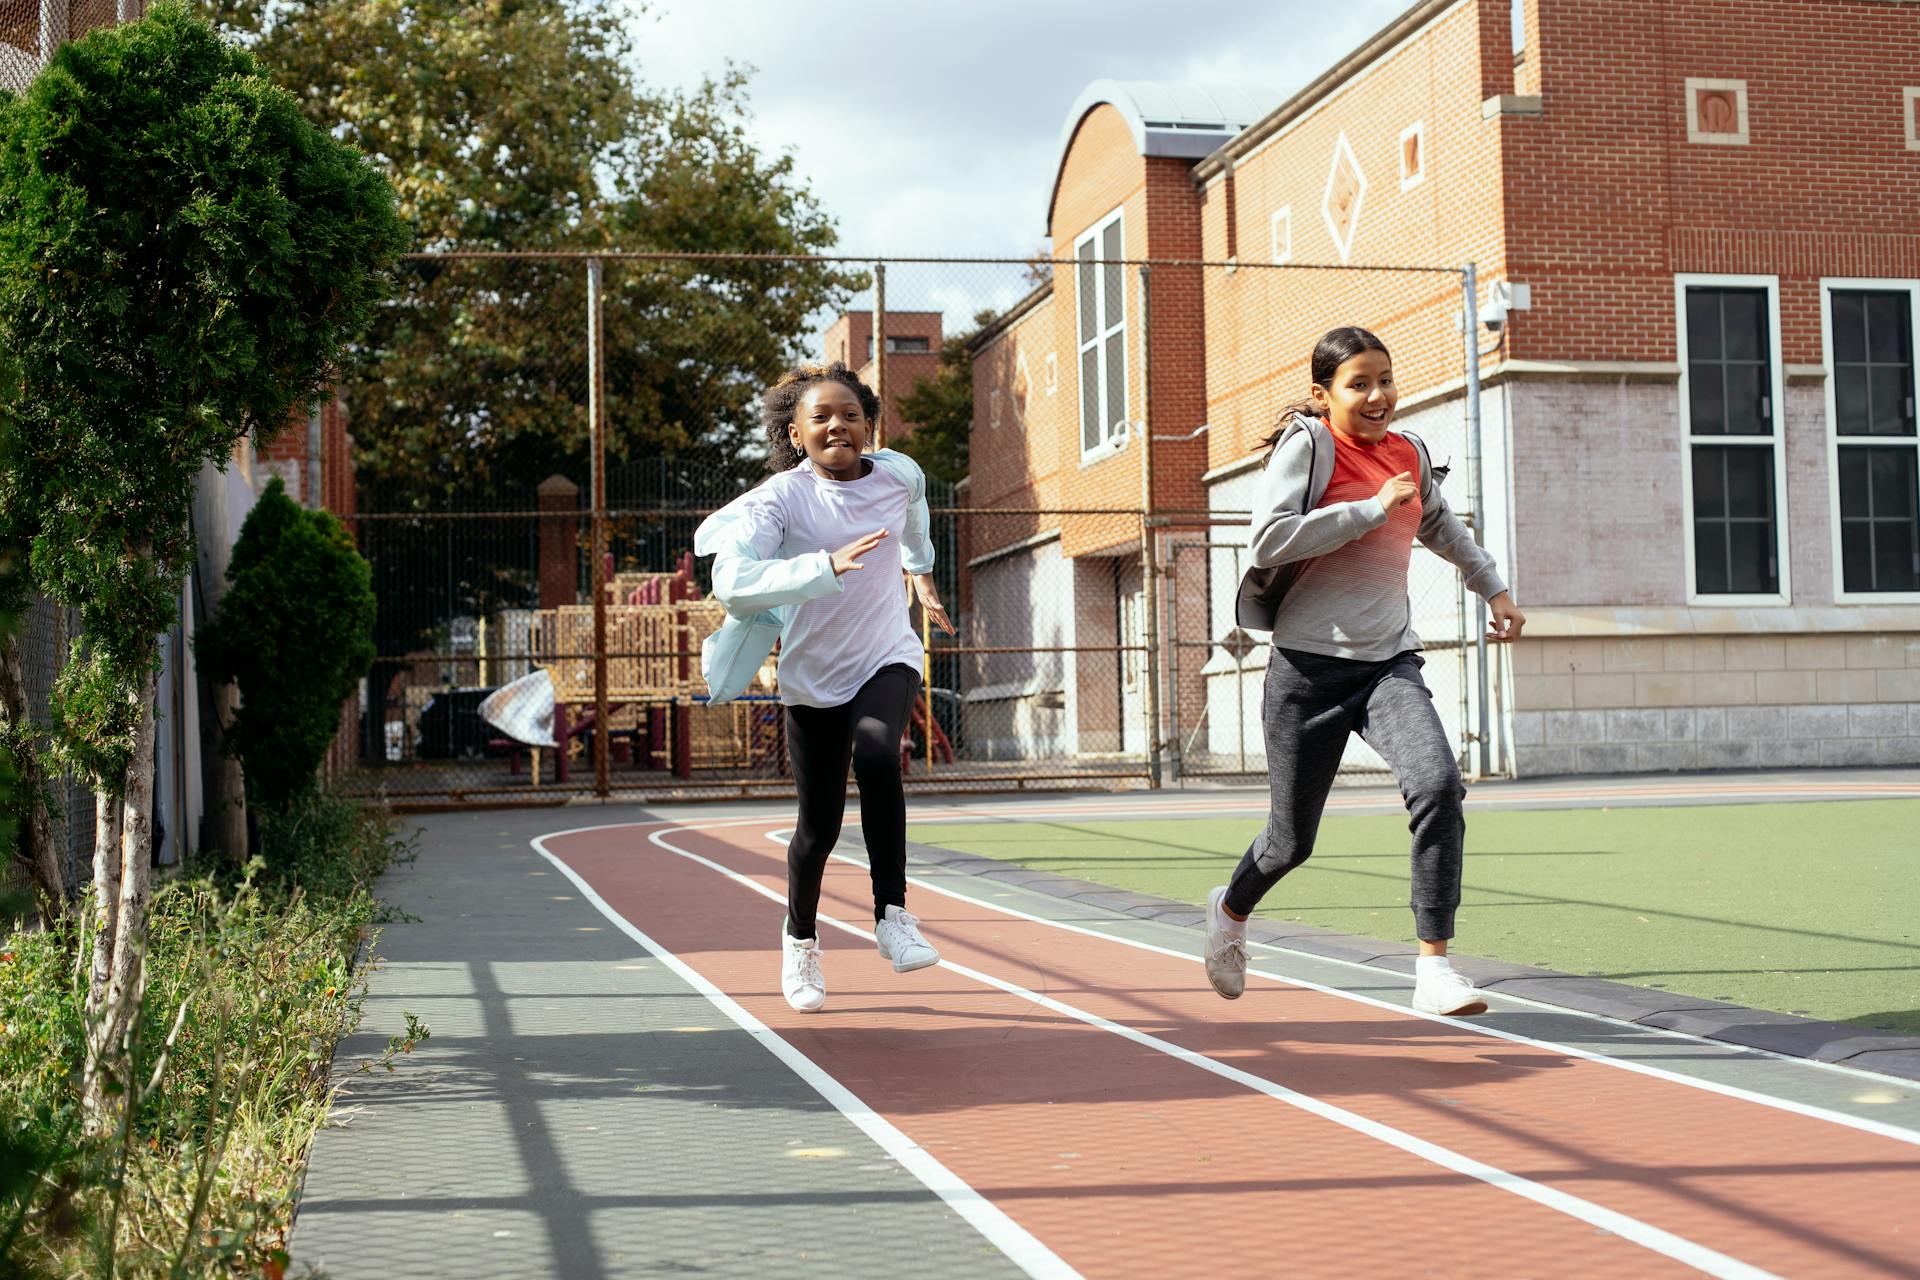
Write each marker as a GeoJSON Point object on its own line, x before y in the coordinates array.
{"type": "Point", "coordinates": [613, 1087]}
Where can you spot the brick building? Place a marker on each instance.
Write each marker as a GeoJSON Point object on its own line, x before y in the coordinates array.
{"type": "Point", "coordinates": [913, 355]}
{"type": "Point", "coordinates": [1702, 222]}
{"type": "Point", "coordinates": [313, 456]}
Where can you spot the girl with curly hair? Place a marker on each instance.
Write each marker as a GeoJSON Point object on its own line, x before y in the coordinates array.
{"type": "Point", "coordinates": [825, 540]}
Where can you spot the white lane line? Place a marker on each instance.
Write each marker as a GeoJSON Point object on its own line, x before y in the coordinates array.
{"type": "Point", "coordinates": [1006, 1235]}
{"type": "Point", "coordinates": [1698, 1256]}
{"type": "Point", "coordinates": [1878, 1128]}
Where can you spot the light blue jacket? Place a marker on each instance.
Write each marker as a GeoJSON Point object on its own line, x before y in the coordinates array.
{"type": "Point", "coordinates": [761, 594]}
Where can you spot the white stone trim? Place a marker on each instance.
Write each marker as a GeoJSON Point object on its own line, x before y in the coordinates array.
{"type": "Point", "coordinates": [1695, 133]}
{"type": "Point", "coordinates": [1827, 286]}
{"type": "Point", "coordinates": [1583, 622]}
{"type": "Point", "coordinates": [1910, 115]}
{"type": "Point", "coordinates": [1282, 244]}
{"type": "Point", "coordinates": [1410, 179]}
{"type": "Point", "coordinates": [1343, 243]}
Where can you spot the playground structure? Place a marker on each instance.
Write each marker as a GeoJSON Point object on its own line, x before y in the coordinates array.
{"type": "Point", "coordinates": [658, 718]}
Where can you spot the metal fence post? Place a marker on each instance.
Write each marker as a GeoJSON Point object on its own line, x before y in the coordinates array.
{"type": "Point", "coordinates": [1149, 603]}
{"type": "Point", "coordinates": [879, 341]}
{"type": "Point", "coordinates": [597, 431]}
{"type": "Point", "coordinates": [1476, 497]}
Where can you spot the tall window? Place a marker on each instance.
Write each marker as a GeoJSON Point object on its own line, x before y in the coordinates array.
{"type": "Point", "coordinates": [1101, 292]}
{"type": "Point", "coordinates": [1732, 438]}
{"type": "Point", "coordinates": [1876, 452]}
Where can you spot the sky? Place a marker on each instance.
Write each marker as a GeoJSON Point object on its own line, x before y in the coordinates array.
{"type": "Point", "coordinates": [935, 128]}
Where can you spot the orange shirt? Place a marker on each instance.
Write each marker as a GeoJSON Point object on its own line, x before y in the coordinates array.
{"type": "Point", "coordinates": [1378, 559]}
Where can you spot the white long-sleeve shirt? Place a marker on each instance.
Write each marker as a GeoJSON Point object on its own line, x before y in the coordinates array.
{"type": "Point", "coordinates": [778, 550]}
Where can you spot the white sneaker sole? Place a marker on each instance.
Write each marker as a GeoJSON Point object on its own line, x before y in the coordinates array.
{"type": "Point", "coordinates": [1465, 1009]}
{"type": "Point", "coordinates": [933, 958]}
{"type": "Point", "coordinates": [1213, 906]}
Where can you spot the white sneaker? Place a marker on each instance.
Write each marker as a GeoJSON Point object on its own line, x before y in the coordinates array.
{"type": "Point", "coordinates": [898, 939]}
{"type": "Point", "coordinates": [1226, 947]}
{"type": "Point", "coordinates": [801, 981]}
{"type": "Point", "coordinates": [1441, 988]}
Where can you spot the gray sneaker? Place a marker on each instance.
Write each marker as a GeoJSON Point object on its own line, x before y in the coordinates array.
{"type": "Point", "coordinates": [1226, 953]}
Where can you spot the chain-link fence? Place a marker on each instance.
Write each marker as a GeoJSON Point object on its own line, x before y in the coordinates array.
{"type": "Point", "coordinates": [1092, 428]}
{"type": "Point", "coordinates": [30, 30]}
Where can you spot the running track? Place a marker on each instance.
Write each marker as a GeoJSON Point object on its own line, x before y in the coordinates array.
{"type": "Point", "coordinates": [1093, 1108]}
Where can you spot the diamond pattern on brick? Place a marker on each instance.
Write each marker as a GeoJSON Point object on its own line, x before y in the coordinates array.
{"type": "Point", "coordinates": [1346, 191]}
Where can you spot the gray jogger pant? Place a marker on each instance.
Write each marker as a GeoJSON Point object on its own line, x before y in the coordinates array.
{"type": "Point", "coordinates": [1310, 705]}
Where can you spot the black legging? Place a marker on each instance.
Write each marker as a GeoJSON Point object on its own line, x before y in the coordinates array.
{"type": "Point", "coordinates": [819, 740]}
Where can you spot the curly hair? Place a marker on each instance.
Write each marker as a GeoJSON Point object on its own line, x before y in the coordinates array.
{"type": "Point", "coordinates": [780, 401]}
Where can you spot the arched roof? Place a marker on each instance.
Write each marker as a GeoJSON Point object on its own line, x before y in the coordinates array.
{"type": "Point", "coordinates": [1166, 119]}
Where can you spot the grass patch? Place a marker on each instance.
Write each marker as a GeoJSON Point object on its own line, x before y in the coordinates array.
{"type": "Point", "coordinates": [1801, 908]}
{"type": "Point", "coordinates": [258, 969]}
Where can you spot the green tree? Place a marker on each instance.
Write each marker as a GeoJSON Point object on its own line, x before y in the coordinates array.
{"type": "Point", "coordinates": [942, 409]}
{"type": "Point", "coordinates": [295, 632]}
{"type": "Point", "coordinates": [183, 256]}
{"type": "Point", "coordinates": [521, 125]}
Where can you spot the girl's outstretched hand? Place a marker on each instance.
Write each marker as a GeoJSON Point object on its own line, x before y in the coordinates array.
{"type": "Point", "coordinates": [848, 557]}
{"type": "Point", "coordinates": [929, 597]}
{"type": "Point", "coordinates": [1507, 619]}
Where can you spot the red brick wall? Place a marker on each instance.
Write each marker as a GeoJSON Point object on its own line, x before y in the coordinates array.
{"type": "Point", "coordinates": [1608, 199]}
{"type": "Point", "coordinates": [288, 457]}
{"type": "Point", "coordinates": [1262, 324]}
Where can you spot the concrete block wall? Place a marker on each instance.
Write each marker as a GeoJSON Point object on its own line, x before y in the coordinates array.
{"type": "Point", "coordinates": [1716, 702]}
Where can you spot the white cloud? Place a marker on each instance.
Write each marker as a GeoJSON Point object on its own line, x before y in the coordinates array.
{"type": "Point", "coordinates": [930, 130]}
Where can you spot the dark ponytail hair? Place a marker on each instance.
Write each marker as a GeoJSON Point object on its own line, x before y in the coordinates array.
{"type": "Point", "coordinates": [781, 400]}
{"type": "Point", "coordinates": [1335, 348]}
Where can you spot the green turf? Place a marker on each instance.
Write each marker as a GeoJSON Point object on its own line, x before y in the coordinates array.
{"type": "Point", "coordinates": [1805, 908]}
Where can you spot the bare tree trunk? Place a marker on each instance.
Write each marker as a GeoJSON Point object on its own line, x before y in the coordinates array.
{"type": "Point", "coordinates": [36, 828]}
{"type": "Point", "coordinates": [228, 803]}
{"type": "Point", "coordinates": [106, 916]}
{"type": "Point", "coordinates": [129, 844]}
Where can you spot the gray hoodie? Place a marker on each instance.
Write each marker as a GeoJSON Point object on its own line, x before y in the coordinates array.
{"type": "Point", "coordinates": [1290, 530]}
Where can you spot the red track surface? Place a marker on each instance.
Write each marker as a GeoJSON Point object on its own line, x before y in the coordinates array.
{"type": "Point", "coordinates": [1125, 1160]}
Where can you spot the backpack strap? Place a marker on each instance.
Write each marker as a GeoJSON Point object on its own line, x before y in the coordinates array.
{"type": "Point", "coordinates": [1426, 464]}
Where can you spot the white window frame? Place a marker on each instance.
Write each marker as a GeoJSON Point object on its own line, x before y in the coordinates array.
{"type": "Point", "coordinates": [1828, 286]}
{"type": "Point", "coordinates": [1783, 541]}
{"type": "Point", "coordinates": [1910, 116]}
{"type": "Point", "coordinates": [1282, 245]}
{"type": "Point", "coordinates": [1113, 431]}
{"type": "Point", "coordinates": [1408, 181]}
{"type": "Point", "coordinates": [1053, 372]}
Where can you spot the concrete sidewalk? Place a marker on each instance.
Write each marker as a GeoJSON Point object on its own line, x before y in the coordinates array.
{"type": "Point", "coordinates": [579, 1110]}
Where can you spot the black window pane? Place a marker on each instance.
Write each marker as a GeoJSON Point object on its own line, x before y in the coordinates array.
{"type": "Point", "coordinates": [1894, 561]}
{"type": "Point", "coordinates": [1888, 341]}
{"type": "Point", "coordinates": [1888, 387]}
{"type": "Point", "coordinates": [1749, 482]}
{"type": "Point", "coordinates": [1850, 327]}
{"type": "Point", "coordinates": [1750, 567]}
{"type": "Point", "coordinates": [1745, 322]}
{"type": "Point", "coordinates": [1851, 401]}
{"type": "Point", "coordinates": [1709, 482]}
{"type": "Point", "coordinates": [1706, 401]}
{"type": "Point", "coordinates": [1856, 555]}
{"type": "Point", "coordinates": [1893, 481]}
{"type": "Point", "coordinates": [1089, 298]}
{"type": "Point", "coordinates": [1748, 400]}
{"type": "Point", "coordinates": [1703, 324]}
{"type": "Point", "coordinates": [1710, 557]}
{"type": "Point", "coordinates": [1090, 435]}
{"type": "Point", "coordinates": [1111, 249]}
{"type": "Point", "coordinates": [1853, 482]}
